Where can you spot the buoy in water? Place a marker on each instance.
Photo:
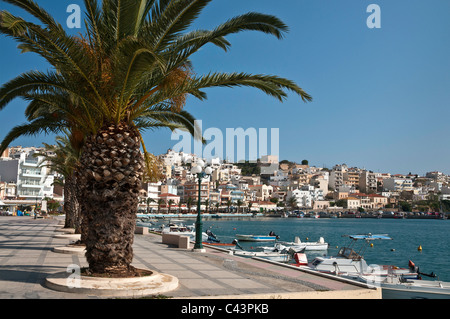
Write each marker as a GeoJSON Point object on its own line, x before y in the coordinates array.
{"type": "Point", "coordinates": [419, 248]}
{"type": "Point", "coordinates": [392, 249]}
{"type": "Point", "coordinates": [371, 245]}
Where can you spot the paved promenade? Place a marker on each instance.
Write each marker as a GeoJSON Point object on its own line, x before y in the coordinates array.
{"type": "Point", "coordinates": [26, 259]}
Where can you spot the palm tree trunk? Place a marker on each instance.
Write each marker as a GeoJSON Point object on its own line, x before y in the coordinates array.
{"type": "Point", "coordinates": [72, 204]}
{"type": "Point", "coordinates": [111, 169]}
{"type": "Point", "coordinates": [68, 194]}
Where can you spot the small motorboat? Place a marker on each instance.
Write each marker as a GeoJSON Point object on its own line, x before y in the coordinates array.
{"type": "Point", "coordinates": [351, 264]}
{"type": "Point", "coordinates": [271, 237]}
{"type": "Point", "coordinates": [398, 287]}
{"type": "Point", "coordinates": [299, 246]}
{"type": "Point", "coordinates": [221, 245]}
{"type": "Point", "coordinates": [273, 256]}
{"type": "Point", "coordinates": [172, 228]}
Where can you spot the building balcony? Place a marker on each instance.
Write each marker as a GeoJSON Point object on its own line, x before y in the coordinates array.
{"type": "Point", "coordinates": [31, 186]}
{"type": "Point", "coordinates": [30, 163]}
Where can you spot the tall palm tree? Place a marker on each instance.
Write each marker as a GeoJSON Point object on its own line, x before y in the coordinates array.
{"type": "Point", "coordinates": [229, 202]}
{"type": "Point", "coordinates": [189, 203]}
{"type": "Point", "coordinates": [206, 203]}
{"type": "Point", "coordinates": [129, 71]}
{"type": "Point", "coordinates": [148, 201]}
{"type": "Point", "coordinates": [170, 202]}
{"type": "Point", "coordinates": [239, 203]}
{"type": "Point", "coordinates": [160, 202]}
{"type": "Point", "coordinates": [292, 202]}
{"type": "Point", "coordinates": [62, 158]}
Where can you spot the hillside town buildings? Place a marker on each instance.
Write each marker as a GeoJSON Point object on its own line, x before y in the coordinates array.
{"type": "Point", "coordinates": [272, 186]}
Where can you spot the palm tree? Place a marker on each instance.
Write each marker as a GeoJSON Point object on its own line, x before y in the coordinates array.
{"type": "Point", "coordinates": [149, 200]}
{"type": "Point", "coordinates": [62, 158]}
{"type": "Point", "coordinates": [206, 202]}
{"type": "Point", "coordinates": [189, 203]}
{"type": "Point", "coordinates": [239, 203]}
{"type": "Point", "coordinates": [160, 202]}
{"type": "Point", "coordinates": [130, 71]}
{"type": "Point", "coordinates": [170, 203]}
{"type": "Point", "coordinates": [292, 202]}
{"type": "Point", "coordinates": [229, 204]}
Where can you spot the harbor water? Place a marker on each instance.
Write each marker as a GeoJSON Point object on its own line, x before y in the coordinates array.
{"type": "Point", "coordinates": [408, 235]}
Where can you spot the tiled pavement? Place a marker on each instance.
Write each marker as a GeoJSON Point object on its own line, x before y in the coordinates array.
{"type": "Point", "coordinates": [26, 259]}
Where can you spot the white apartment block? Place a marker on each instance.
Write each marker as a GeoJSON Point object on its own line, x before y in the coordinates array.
{"type": "Point", "coordinates": [306, 195]}
{"type": "Point", "coordinates": [394, 184]}
{"type": "Point", "coordinates": [32, 177]}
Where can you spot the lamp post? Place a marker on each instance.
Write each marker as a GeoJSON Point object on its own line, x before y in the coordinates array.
{"type": "Point", "coordinates": [201, 173]}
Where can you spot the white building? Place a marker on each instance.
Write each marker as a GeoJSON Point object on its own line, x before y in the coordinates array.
{"type": "Point", "coordinates": [306, 196]}
{"type": "Point", "coordinates": [395, 184]}
{"type": "Point", "coordinates": [32, 177]}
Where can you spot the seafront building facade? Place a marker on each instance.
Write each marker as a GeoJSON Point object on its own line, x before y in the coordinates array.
{"type": "Point", "coordinates": [269, 187]}
{"type": "Point", "coordinates": [29, 173]}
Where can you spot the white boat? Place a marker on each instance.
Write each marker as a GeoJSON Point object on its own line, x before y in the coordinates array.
{"type": "Point", "coordinates": [349, 263]}
{"type": "Point", "coordinates": [257, 237]}
{"type": "Point", "coordinates": [273, 256]}
{"type": "Point", "coordinates": [188, 231]}
{"type": "Point", "coordinates": [397, 287]}
{"type": "Point", "coordinates": [297, 246]}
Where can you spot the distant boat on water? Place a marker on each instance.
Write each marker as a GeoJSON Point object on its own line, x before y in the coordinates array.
{"type": "Point", "coordinates": [257, 237]}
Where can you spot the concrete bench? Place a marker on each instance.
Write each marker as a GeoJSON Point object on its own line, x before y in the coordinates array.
{"type": "Point", "coordinates": [179, 241]}
{"type": "Point", "coordinates": [141, 230]}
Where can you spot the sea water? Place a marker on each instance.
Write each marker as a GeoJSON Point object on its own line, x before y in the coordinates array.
{"type": "Point", "coordinates": [433, 236]}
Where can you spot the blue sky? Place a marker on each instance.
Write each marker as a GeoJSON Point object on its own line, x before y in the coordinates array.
{"type": "Point", "coordinates": [381, 96]}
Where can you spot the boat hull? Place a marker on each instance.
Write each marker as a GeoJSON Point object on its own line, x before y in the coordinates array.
{"type": "Point", "coordinates": [393, 288]}
{"type": "Point", "coordinates": [270, 256]}
{"type": "Point", "coordinates": [255, 238]}
{"type": "Point", "coordinates": [220, 245]}
{"type": "Point", "coordinates": [396, 292]}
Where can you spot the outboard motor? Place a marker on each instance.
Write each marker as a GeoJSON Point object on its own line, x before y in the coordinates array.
{"type": "Point", "coordinates": [237, 244]}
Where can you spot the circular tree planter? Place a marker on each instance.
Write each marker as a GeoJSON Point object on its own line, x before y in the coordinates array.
{"type": "Point", "coordinates": [66, 230]}
{"type": "Point", "coordinates": [70, 249]}
{"type": "Point", "coordinates": [68, 236]}
{"type": "Point", "coordinates": [134, 287]}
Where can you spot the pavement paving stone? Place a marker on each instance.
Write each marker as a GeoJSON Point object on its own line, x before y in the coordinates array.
{"type": "Point", "coordinates": [26, 259]}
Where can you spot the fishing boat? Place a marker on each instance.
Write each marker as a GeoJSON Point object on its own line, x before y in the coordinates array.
{"type": "Point", "coordinates": [297, 246]}
{"type": "Point", "coordinates": [142, 222]}
{"type": "Point", "coordinates": [271, 237]}
{"type": "Point", "coordinates": [398, 287]}
{"type": "Point", "coordinates": [273, 256]}
{"type": "Point", "coordinates": [220, 245]}
{"type": "Point", "coordinates": [349, 263]}
{"type": "Point", "coordinates": [173, 228]}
